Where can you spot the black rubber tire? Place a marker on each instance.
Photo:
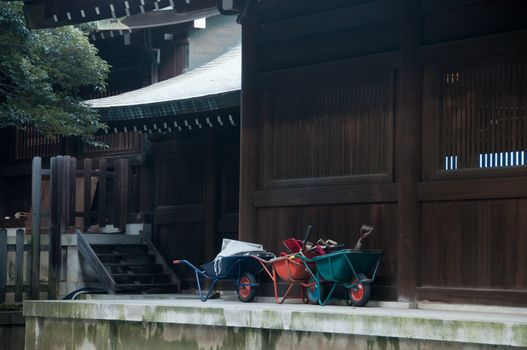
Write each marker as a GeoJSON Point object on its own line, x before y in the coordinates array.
{"type": "Point", "coordinates": [361, 298]}
{"type": "Point", "coordinates": [246, 293]}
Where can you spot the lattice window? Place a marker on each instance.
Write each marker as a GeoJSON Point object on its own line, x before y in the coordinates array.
{"type": "Point", "coordinates": [483, 119]}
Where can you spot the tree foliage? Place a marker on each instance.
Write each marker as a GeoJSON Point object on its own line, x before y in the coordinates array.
{"type": "Point", "coordinates": [42, 73]}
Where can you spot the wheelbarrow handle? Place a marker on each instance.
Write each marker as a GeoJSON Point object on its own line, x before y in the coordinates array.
{"type": "Point", "coordinates": [366, 230]}
{"type": "Point", "coordinates": [190, 265]}
{"type": "Point", "coordinates": [306, 237]}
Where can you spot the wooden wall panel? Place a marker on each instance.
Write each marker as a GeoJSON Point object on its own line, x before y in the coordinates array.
{"type": "Point", "coordinates": [474, 244]}
{"type": "Point", "coordinates": [455, 20]}
{"type": "Point", "coordinates": [180, 179]}
{"type": "Point", "coordinates": [30, 143]}
{"type": "Point", "coordinates": [338, 222]}
{"type": "Point", "coordinates": [330, 129]}
{"type": "Point", "coordinates": [338, 30]}
{"type": "Point", "coordinates": [330, 46]}
{"type": "Point", "coordinates": [182, 241]}
{"type": "Point", "coordinates": [120, 142]}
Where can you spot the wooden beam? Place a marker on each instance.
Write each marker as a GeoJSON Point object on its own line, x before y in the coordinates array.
{"type": "Point", "coordinates": [342, 18]}
{"type": "Point", "coordinates": [503, 297]}
{"type": "Point", "coordinates": [250, 131]}
{"type": "Point", "coordinates": [329, 181]}
{"type": "Point", "coordinates": [508, 44]}
{"type": "Point", "coordinates": [3, 264]}
{"type": "Point", "coordinates": [366, 193]}
{"type": "Point", "coordinates": [408, 150]}
{"type": "Point", "coordinates": [19, 266]}
{"type": "Point", "coordinates": [358, 68]}
{"type": "Point", "coordinates": [36, 198]}
{"type": "Point", "coordinates": [493, 188]}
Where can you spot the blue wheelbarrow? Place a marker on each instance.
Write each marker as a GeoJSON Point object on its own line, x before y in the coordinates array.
{"type": "Point", "coordinates": [241, 269]}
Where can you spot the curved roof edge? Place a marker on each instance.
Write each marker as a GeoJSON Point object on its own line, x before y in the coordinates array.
{"type": "Point", "coordinates": [171, 108]}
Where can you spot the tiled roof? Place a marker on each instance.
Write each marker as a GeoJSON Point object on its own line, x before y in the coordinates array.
{"type": "Point", "coordinates": [215, 85]}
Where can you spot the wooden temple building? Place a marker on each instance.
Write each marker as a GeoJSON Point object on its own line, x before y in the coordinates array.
{"type": "Point", "coordinates": [408, 115]}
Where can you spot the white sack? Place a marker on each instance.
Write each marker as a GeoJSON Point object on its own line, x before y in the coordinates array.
{"type": "Point", "coordinates": [230, 247]}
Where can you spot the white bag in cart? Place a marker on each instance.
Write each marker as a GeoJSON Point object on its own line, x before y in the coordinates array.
{"type": "Point", "coordinates": [231, 247]}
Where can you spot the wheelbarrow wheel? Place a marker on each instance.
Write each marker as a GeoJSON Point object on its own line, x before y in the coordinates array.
{"type": "Point", "coordinates": [315, 292]}
{"type": "Point", "coordinates": [360, 294]}
{"type": "Point", "coordinates": [246, 287]}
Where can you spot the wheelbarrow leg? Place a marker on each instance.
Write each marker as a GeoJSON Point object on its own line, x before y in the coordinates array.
{"type": "Point", "coordinates": [326, 300]}
{"type": "Point", "coordinates": [211, 289]}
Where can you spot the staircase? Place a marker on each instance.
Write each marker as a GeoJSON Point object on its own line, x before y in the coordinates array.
{"type": "Point", "coordinates": [126, 263]}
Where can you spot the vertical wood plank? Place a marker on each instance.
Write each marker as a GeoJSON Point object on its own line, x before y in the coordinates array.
{"type": "Point", "coordinates": [19, 266]}
{"type": "Point", "coordinates": [72, 188]}
{"type": "Point", "coordinates": [36, 194]}
{"type": "Point", "coordinates": [87, 194]}
{"type": "Point", "coordinates": [408, 155]}
{"type": "Point", "coordinates": [56, 203]}
{"type": "Point", "coordinates": [3, 263]}
{"type": "Point", "coordinates": [121, 193]}
{"type": "Point", "coordinates": [65, 189]}
{"type": "Point", "coordinates": [102, 193]}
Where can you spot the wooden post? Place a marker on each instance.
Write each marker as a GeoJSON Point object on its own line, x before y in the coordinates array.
{"type": "Point", "coordinates": [102, 193]}
{"type": "Point", "coordinates": [211, 194]}
{"type": "Point", "coordinates": [408, 156]}
{"type": "Point", "coordinates": [71, 180]}
{"type": "Point", "coordinates": [250, 131]}
{"type": "Point", "coordinates": [3, 263]}
{"type": "Point", "coordinates": [121, 193]}
{"type": "Point", "coordinates": [87, 193]}
{"type": "Point", "coordinates": [19, 266]}
{"type": "Point", "coordinates": [36, 198]}
{"type": "Point", "coordinates": [55, 211]}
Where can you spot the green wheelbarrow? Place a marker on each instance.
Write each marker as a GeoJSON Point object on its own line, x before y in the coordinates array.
{"type": "Point", "coordinates": [355, 269]}
{"type": "Point", "coordinates": [351, 268]}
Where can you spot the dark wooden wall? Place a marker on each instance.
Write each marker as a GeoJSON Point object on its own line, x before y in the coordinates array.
{"type": "Point", "coordinates": [354, 111]}
{"type": "Point", "coordinates": [195, 201]}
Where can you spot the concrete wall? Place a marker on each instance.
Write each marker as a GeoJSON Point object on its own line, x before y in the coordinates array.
{"type": "Point", "coordinates": [117, 335]}
{"type": "Point", "coordinates": [221, 324]}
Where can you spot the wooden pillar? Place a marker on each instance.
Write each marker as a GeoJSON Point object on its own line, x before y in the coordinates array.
{"type": "Point", "coordinates": [249, 139]}
{"type": "Point", "coordinates": [3, 264]}
{"type": "Point", "coordinates": [211, 154]}
{"type": "Point", "coordinates": [71, 202]}
{"type": "Point", "coordinates": [19, 266]}
{"type": "Point", "coordinates": [55, 213]}
{"type": "Point", "coordinates": [36, 194]}
{"type": "Point", "coordinates": [408, 156]}
{"type": "Point", "coordinates": [102, 194]}
{"type": "Point", "coordinates": [87, 194]}
{"type": "Point", "coordinates": [121, 193]}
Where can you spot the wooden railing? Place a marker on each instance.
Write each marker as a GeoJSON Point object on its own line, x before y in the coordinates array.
{"type": "Point", "coordinates": [63, 185]}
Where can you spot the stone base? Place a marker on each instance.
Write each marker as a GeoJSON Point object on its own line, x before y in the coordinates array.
{"type": "Point", "coordinates": [219, 324]}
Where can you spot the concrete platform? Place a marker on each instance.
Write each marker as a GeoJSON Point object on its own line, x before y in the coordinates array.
{"type": "Point", "coordinates": [220, 324]}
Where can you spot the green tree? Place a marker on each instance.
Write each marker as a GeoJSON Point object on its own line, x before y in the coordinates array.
{"type": "Point", "coordinates": [42, 73]}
